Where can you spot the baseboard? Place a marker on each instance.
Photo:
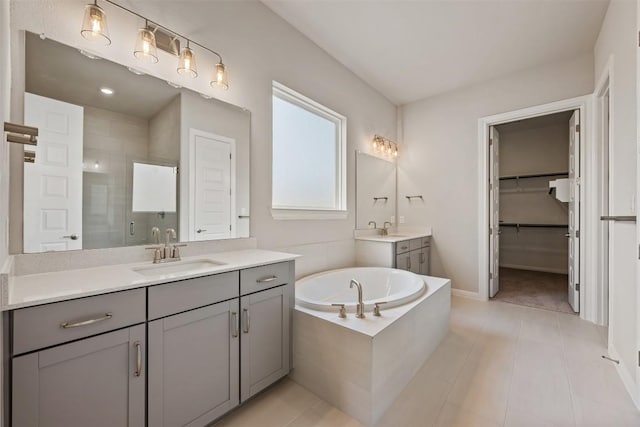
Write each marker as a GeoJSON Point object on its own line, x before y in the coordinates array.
{"type": "Point", "coordinates": [531, 268]}
{"type": "Point", "coordinates": [625, 376]}
{"type": "Point", "coordinates": [467, 294]}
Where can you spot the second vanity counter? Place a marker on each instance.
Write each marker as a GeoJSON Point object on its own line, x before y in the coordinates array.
{"type": "Point", "coordinates": [35, 289]}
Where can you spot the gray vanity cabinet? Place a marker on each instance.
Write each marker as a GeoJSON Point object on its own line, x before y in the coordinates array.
{"type": "Point", "coordinates": [98, 382]}
{"type": "Point", "coordinates": [193, 365]}
{"type": "Point", "coordinates": [265, 339]}
{"type": "Point", "coordinates": [414, 255]}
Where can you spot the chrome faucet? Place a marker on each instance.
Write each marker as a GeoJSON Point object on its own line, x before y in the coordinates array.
{"type": "Point", "coordinates": [168, 252]}
{"type": "Point", "coordinates": [385, 229]}
{"type": "Point", "coordinates": [360, 306]}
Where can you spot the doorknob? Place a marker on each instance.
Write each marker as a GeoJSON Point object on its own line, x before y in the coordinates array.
{"type": "Point", "coordinates": [200, 230]}
{"type": "Point", "coordinates": [72, 237]}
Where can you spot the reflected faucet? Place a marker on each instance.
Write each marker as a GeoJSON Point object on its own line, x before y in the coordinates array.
{"type": "Point", "coordinates": [385, 229]}
{"type": "Point", "coordinates": [375, 226]}
{"type": "Point", "coordinates": [360, 306]}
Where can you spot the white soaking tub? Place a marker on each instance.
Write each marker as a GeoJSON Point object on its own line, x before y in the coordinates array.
{"type": "Point", "coordinates": [395, 287]}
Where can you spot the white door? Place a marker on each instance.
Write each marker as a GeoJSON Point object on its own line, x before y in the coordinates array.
{"type": "Point", "coordinates": [574, 212]}
{"type": "Point", "coordinates": [213, 192]}
{"type": "Point", "coordinates": [494, 217]}
{"type": "Point", "coordinates": [53, 210]}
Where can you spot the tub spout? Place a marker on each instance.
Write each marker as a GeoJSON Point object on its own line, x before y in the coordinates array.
{"type": "Point", "coordinates": [360, 306]}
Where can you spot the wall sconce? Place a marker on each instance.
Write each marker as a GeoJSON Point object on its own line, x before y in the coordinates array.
{"type": "Point", "coordinates": [149, 39]}
{"type": "Point", "coordinates": [384, 146]}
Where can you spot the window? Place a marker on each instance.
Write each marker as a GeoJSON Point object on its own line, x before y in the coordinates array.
{"type": "Point", "coordinates": [309, 158]}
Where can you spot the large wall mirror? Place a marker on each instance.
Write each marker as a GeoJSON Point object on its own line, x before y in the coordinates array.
{"type": "Point", "coordinates": [375, 190]}
{"type": "Point", "coordinates": [122, 155]}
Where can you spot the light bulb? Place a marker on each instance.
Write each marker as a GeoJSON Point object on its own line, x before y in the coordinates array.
{"type": "Point", "coordinates": [221, 77]}
{"type": "Point", "coordinates": [146, 46]}
{"type": "Point", "coordinates": [187, 63]}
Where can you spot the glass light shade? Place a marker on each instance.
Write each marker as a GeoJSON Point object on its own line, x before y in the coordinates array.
{"type": "Point", "coordinates": [146, 49]}
{"type": "Point", "coordinates": [187, 63]}
{"type": "Point", "coordinates": [94, 25]}
{"type": "Point", "coordinates": [221, 77]}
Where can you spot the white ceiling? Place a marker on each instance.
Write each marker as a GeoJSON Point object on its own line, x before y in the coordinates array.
{"type": "Point", "coordinates": [409, 50]}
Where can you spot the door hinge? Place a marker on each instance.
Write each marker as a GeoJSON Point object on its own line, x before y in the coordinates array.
{"type": "Point", "coordinates": [490, 275]}
{"type": "Point", "coordinates": [577, 287]}
{"type": "Point", "coordinates": [638, 358]}
{"type": "Point", "coordinates": [229, 156]}
{"type": "Point", "coordinates": [229, 227]}
{"type": "Point", "coordinates": [578, 127]}
{"type": "Point", "coordinates": [490, 141]}
{"type": "Point", "coordinates": [577, 234]}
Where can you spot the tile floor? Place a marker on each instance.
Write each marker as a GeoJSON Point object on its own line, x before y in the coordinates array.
{"type": "Point", "coordinates": [500, 365]}
{"type": "Point", "coordinates": [536, 289]}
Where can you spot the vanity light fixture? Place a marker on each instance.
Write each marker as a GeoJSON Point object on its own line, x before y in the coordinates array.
{"type": "Point", "coordinates": [187, 63]}
{"type": "Point", "coordinates": [146, 49]}
{"type": "Point", "coordinates": [384, 146]}
{"type": "Point", "coordinates": [94, 27]}
{"type": "Point", "coordinates": [94, 24]}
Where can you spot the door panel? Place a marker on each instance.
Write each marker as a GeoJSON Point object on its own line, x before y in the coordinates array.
{"type": "Point", "coordinates": [265, 339]}
{"type": "Point", "coordinates": [424, 261]}
{"type": "Point", "coordinates": [56, 176]}
{"type": "Point", "coordinates": [574, 213]}
{"type": "Point", "coordinates": [494, 200]}
{"type": "Point", "coordinates": [193, 366]}
{"type": "Point", "coordinates": [213, 187]}
{"type": "Point", "coordinates": [91, 382]}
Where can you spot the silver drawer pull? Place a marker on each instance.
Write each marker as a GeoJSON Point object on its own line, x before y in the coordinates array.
{"type": "Point", "coordinates": [404, 247]}
{"type": "Point", "coordinates": [247, 320]}
{"type": "Point", "coordinates": [200, 230]}
{"type": "Point", "coordinates": [267, 279]}
{"type": "Point", "coordinates": [138, 347]}
{"type": "Point", "coordinates": [72, 237]}
{"type": "Point", "coordinates": [234, 315]}
{"type": "Point", "coordinates": [77, 324]}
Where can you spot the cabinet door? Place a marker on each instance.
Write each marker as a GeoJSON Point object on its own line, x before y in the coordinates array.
{"type": "Point", "coordinates": [403, 261]}
{"type": "Point", "coordinates": [425, 261]}
{"type": "Point", "coordinates": [415, 261]}
{"type": "Point", "coordinates": [265, 339]}
{"type": "Point", "coordinates": [98, 382]}
{"type": "Point", "coordinates": [193, 366]}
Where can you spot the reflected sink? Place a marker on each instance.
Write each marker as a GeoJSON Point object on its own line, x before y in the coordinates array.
{"type": "Point", "coordinates": [176, 267]}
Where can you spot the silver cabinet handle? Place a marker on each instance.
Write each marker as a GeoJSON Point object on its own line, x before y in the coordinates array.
{"type": "Point", "coordinates": [408, 263]}
{"type": "Point", "coordinates": [618, 218]}
{"type": "Point", "coordinates": [267, 279]}
{"type": "Point", "coordinates": [421, 257]}
{"type": "Point", "coordinates": [200, 230]}
{"type": "Point", "coordinates": [78, 323]}
{"type": "Point", "coordinates": [404, 247]}
{"type": "Point", "coordinates": [247, 320]}
{"type": "Point", "coordinates": [72, 237]}
{"type": "Point", "coordinates": [234, 316]}
{"type": "Point", "coordinates": [138, 347]}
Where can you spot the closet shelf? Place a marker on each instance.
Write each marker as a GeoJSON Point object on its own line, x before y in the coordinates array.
{"type": "Point", "coordinates": [539, 175]}
{"type": "Point", "coordinates": [531, 225]}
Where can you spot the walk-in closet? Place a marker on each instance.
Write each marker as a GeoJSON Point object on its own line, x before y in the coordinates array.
{"type": "Point", "coordinates": [534, 169]}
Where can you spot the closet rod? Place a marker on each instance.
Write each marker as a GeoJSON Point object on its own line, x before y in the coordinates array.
{"type": "Point", "coordinates": [530, 225]}
{"type": "Point", "coordinates": [539, 175]}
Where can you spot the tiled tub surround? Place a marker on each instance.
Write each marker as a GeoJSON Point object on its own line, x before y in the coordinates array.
{"type": "Point", "coordinates": [41, 288]}
{"type": "Point", "coordinates": [362, 365]}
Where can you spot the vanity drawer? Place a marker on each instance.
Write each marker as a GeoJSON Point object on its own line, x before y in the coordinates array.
{"type": "Point", "coordinates": [426, 241]}
{"type": "Point", "coordinates": [415, 244]}
{"type": "Point", "coordinates": [402, 247]}
{"type": "Point", "coordinates": [264, 277]}
{"type": "Point", "coordinates": [176, 297]}
{"type": "Point", "coordinates": [50, 324]}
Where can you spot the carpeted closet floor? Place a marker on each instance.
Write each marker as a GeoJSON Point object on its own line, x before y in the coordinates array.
{"type": "Point", "coordinates": [534, 289]}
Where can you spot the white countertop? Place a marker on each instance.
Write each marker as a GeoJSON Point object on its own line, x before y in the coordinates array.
{"type": "Point", "coordinates": [36, 289]}
{"type": "Point", "coordinates": [393, 237]}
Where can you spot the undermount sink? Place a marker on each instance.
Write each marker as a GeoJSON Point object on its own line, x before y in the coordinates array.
{"type": "Point", "coordinates": [176, 267]}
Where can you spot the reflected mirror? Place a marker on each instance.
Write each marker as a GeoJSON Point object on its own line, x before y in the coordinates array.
{"type": "Point", "coordinates": [120, 153]}
{"type": "Point", "coordinates": [375, 190]}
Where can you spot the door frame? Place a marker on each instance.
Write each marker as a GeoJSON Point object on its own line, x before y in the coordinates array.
{"type": "Point", "coordinates": [187, 172]}
{"type": "Point", "coordinates": [588, 213]}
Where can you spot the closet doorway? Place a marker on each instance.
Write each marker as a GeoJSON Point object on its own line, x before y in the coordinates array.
{"type": "Point", "coordinates": [535, 212]}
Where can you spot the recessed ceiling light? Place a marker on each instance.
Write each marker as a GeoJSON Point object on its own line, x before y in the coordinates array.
{"type": "Point", "coordinates": [106, 91]}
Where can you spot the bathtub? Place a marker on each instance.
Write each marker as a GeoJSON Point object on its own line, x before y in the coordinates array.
{"type": "Point", "coordinates": [394, 287]}
{"type": "Point", "coordinates": [361, 365]}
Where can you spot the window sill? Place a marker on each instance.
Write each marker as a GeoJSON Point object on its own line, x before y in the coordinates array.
{"type": "Point", "coordinates": [307, 214]}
